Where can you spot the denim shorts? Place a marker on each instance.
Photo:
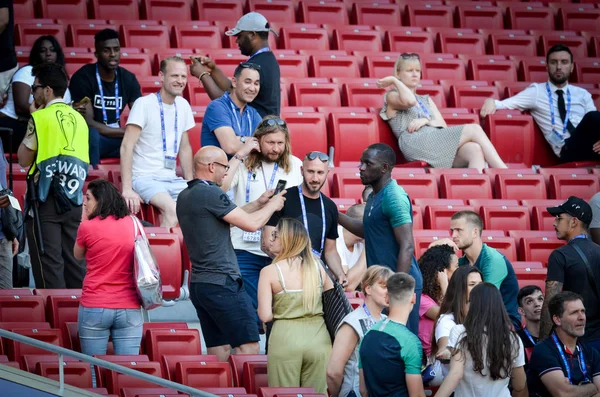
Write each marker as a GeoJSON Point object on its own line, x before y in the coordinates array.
{"type": "Point", "coordinates": [95, 325]}
{"type": "Point", "coordinates": [149, 186]}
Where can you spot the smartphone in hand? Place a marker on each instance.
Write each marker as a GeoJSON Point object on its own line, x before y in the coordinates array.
{"type": "Point", "coordinates": [280, 186]}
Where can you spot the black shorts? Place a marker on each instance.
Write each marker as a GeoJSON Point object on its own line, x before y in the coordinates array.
{"type": "Point", "coordinates": [226, 314]}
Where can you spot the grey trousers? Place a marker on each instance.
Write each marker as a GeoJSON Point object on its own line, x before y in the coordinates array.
{"type": "Point", "coordinates": [6, 264]}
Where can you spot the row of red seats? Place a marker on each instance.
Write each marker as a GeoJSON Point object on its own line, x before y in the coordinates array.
{"type": "Point", "coordinates": [202, 34]}
{"type": "Point", "coordinates": [433, 13]}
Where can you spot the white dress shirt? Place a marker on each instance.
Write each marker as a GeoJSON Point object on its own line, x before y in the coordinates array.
{"type": "Point", "coordinates": [535, 99]}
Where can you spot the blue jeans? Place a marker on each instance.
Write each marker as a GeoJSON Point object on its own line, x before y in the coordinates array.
{"type": "Point", "coordinates": [103, 147]}
{"type": "Point", "coordinates": [250, 267]}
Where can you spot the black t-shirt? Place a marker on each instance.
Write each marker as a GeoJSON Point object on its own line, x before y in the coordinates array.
{"type": "Point", "coordinates": [566, 266]}
{"type": "Point", "coordinates": [8, 60]}
{"type": "Point", "coordinates": [268, 100]}
{"type": "Point", "coordinates": [84, 84]}
{"type": "Point", "coordinates": [546, 358]}
{"type": "Point", "coordinates": [200, 210]}
{"type": "Point", "coordinates": [293, 209]}
{"type": "Point", "coordinates": [527, 343]}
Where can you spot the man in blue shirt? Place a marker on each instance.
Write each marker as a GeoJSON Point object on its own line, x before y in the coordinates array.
{"type": "Point", "coordinates": [387, 222]}
{"type": "Point", "coordinates": [229, 121]}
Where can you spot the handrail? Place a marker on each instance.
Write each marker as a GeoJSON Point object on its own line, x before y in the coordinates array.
{"type": "Point", "coordinates": [61, 351]}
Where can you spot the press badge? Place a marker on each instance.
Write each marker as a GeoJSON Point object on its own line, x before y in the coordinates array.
{"type": "Point", "coordinates": [114, 125]}
{"type": "Point", "coordinates": [252, 237]}
{"type": "Point", "coordinates": [170, 163]}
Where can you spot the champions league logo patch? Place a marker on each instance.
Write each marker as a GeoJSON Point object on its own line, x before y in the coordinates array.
{"type": "Point", "coordinates": [68, 126]}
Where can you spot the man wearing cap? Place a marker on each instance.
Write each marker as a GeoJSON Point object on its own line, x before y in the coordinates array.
{"type": "Point", "coordinates": [252, 37]}
{"type": "Point", "coordinates": [575, 266]}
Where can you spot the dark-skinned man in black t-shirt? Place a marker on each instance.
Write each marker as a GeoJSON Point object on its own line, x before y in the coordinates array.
{"type": "Point", "coordinates": [252, 37]}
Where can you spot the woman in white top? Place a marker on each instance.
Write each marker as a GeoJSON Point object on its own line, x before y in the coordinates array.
{"type": "Point", "coordinates": [16, 111]}
{"type": "Point", "coordinates": [487, 353]}
{"type": "Point", "coordinates": [342, 369]}
{"type": "Point", "coordinates": [453, 310]}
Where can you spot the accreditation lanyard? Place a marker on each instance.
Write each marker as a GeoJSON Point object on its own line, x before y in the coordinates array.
{"type": "Point", "coordinates": [529, 336]}
{"type": "Point", "coordinates": [266, 49]}
{"type": "Point", "coordinates": [269, 187]}
{"type": "Point", "coordinates": [236, 115]}
{"type": "Point", "coordinates": [101, 89]}
{"type": "Point", "coordinates": [566, 364]}
{"type": "Point", "coordinates": [579, 236]}
{"type": "Point", "coordinates": [552, 115]}
{"type": "Point", "coordinates": [368, 312]}
{"type": "Point", "coordinates": [163, 130]}
{"type": "Point", "coordinates": [423, 109]}
{"type": "Point", "coordinates": [305, 219]}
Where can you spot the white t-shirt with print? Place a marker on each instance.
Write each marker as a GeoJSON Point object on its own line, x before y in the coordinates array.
{"type": "Point", "coordinates": [474, 384]}
{"type": "Point", "coordinates": [148, 156]}
{"type": "Point", "coordinates": [259, 181]}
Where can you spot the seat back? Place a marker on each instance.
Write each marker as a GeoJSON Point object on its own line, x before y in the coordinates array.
{"type": "Point", "coordinates": [22, 308]}
{"type": "Point", "coordinates": [169, 362]}
{"type": "Point", "coordinates": [61, 309]}
{"type": "Point", "coordinates": [254, 376]}
{"type": "Point", "coordinates": [159, 342]}
{"type": "Point", "coordinates": [203, 374]}
{"type": "Point", "coordinates": [76, 374]}
{"type": "Point", "coordinates": [15, 350]}
{"type": "Point", "coordinates": [115, 381]}
{"type": "Point", "coordinates": [237, 365]}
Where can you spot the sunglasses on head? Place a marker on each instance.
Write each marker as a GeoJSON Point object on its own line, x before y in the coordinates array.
{"type": "Point", "coordinates": [317, 155]}
{"type": "Point", "coordinates": [250, 65]}
{"type": "Point", "coordinates": [273, 123]}
{"type": "Point", "coordinates": [409, 55]}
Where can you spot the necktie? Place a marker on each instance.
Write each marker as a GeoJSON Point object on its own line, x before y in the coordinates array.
{"type": "Point", "coordinates": [563, 110]}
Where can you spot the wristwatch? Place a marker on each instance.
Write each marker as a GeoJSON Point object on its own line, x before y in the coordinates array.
{"type": "Point", "coordinates": [243, 139]}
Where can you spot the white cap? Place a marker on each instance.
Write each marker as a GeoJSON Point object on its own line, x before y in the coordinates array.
{"type": "Point", "coordinates": [251, 22]}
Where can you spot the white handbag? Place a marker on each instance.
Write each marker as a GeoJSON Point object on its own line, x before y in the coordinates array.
{"type": "Point", "coordinates": [146, 271]}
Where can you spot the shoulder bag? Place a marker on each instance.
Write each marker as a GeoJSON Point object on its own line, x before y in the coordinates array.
{"type": "Point", "coordinates": [335, 304]}
{"type": "Point", "coordinates": [145, 268]}
{"type": "Point", "coordinates": [590, 273]}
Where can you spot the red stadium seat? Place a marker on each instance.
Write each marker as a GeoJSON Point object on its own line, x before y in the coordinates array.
{"type": "Point", "coordinates": [437, 217]}
{"type": "Point", "coordinates": [527, 265]}
{"type": "Point", "coordinates": [461, 43]}
{"type": "Point", "coordinates": [237, 365]}
{"type": "Point", "coordinates": [538, 248]}
{"type": "Point", "coordinates": [15, 291]}
{"type": "Point", "coordinates": [106, 9]}
{"type": "Point", "coordinates": [149, 391]}
{"type": "Point", "coordinates": [524, 16]}
{"type": "Point", "coordinates": [281, 11]}
{"type": "Point", "coordinates": [424, 202]}
{"type": "Point", "coordinates": [547, 172]}
{"type": "Point", "coordinates": [407, 41]}
{"type": "Point", "coordinates": [297, 38]}
{"type": "Point", "coordinates": [172, 10]}
{"type": "Point", "coordinates": [22, 308]}
{"type": "Point", "coordinates": [524, 45]}
{"type": "Point", "coordinates": [278, 391]}
{"type": "Point", "coordinates": [23, 9]}
{"type": "Point", "coordinates": [541, 219]}
{"type": "Point", "coordinates": [170, 361]}
{"type": "Point", "coordinates": [82, 35]}
{"type": "Point", "coordinates": [159, 342]}
{"type": "Point", "coordinates": [376, 14]}
{"type": "Point", "coordinates": [418, 186]}
{"type": "Point", "coordinates": [141, 34]}
{"type": "Point", "coordinates": [435, 92]}
{"type": "Point", "coordinates": [61, 309]}
{"type": "Point", "coordinates": [362, 94]}
{"type": "Point", "coordinates": [73, 62]}
{"type": "Point", "coordinates": [138, 64]}
{"type": "Point", "coordinates": [443, 68]}
{"type": "Point", "coordinates": [471, 97]}
{"type": "Point", "coordinates": [452, 118]}
{"type": "Point", "coordinates": [519, 234]}
{"type": "Point", "coordinates": [254, 376]}
{"type": "Point", "coordinates": [350, 39]}
{"type": "Point", "coordinates": [196, 95]}
{"type": "Point", "coordinates": [422, 239]}
{"type": "Point", "coordinates": [70, 9]}
{"type": "Point", "coordinates": [576, 44]}
{"type": "Point", "coordinates": [70, 332]}
{"type": "Point", "coordinates": [118, 359]}
{"type": "Point", "coordinates": [167, 252]}
{"type": "Point", "coordinates": [491, 70]}
{"type": "Point", "coordinates": [376, 66]}
{"type": "Point", "coordinates": [588, 70]}
{"type": "Point", "coordinates": [419, 14]}
{"type": "Point", "coordinates": [505, 217]}
{"type": "Point", "coordinates": [217, 10]}
{"type": "Point", "coordinates": [465, 186]}
{"type": "Point", "coordinates": [308, 131]}
{"type": "Point", "coordinates": [315, 94]}
{"type": "Point", "coordinates": [115, 381]}
{"type": "Point", "coordinates": [577, 17]}
{"type": "Point", "coordinates": [563, 186]}
{"type": "Point", "coordinates": [475, 16]}
{"type": "Point", "coordinates": [505, 245]}
{"type": "Point", "coordinates": [511, 88]}
{"type": "Point", "coordinates": [533, 69]}
{"type": "Point", "coordinates": [203, 374]}
{"type": "Point", "coordinates": [325, 12]}
{"type": "Point", "coordinates": [190, 35]}
{"type": "Point", "coordinates": [14, 349]}
{"type": "Point", "coordinates": [29, 362]}
{"type": "Point", "coordinates": [512, 136]}
{"type": "Point", "coordinates": [27, 33]}
{"type": "Point", "coordinates": [295, 66]}
{"type": "Point", "coordinates": [347, 186]}
{"type": "Point", "coordinates": [76, 374]}
{"type": "Point", "coordinates": [520, 187]}
{"type": "Point", "coordinates": [333, 66]}
{"type": "Point", "coordinates": [351, 133]}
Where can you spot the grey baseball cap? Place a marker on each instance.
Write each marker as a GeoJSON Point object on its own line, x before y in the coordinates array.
{"type": "Point", "coordinates": [251, 22]}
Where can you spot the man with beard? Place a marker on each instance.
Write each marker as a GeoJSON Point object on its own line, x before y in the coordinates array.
{"type": "Point", "coordinates": [562, 366]}
{"type": "Point", "coordinates": [566, 114]}
{"type": "Point", "coordinates": [317, 212]}
{"type": "Point", "coordinates": [157, 132]}
{"type": "Point", "coordinates": [109, 87]}
{"type": "Point", "coordinates": [575, 266]}
{"type": "Point", "coordinates": [252, 37]}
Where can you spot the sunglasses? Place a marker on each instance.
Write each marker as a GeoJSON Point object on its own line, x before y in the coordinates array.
{"type": "Point", "coordinates": [249, 65]}
{"type": "Point", "coordinates": [317, 155]}
{"type": "Point", "coordinates": [273, 123]}
{"type": "Point", "coordinates": [409, 55]}
{"type": "Point", "coordinates": [36, 86]}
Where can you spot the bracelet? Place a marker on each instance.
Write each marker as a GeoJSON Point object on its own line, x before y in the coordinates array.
{"type": "Point", "coordinates": [235, 156]}
{"type": "Point", "coordinates": [202, 75]}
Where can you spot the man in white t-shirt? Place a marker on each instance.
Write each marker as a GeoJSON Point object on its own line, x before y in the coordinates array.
{"type": "Point", "coordinates": [352, 249]}
{"type": "Point", "coordinates": [269, 160]}
{"type": "Point", "coordinates": [156, 134]}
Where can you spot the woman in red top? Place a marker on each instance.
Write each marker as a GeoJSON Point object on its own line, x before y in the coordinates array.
{"type": "Point", "coordinates": [109, 302]}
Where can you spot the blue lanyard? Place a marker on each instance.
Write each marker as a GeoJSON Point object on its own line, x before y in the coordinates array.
{"type": "Point", "coordinates": [266, 49]}
{"type": "Point", "coordinates": [529, 336]}
{"type": "Point", "coordinates": [366, 309]}
{"type": "Point", "coordinates": [423, 109]}
{"type": "Point", "coordinates": [552, 117]}
{"type": "Point", "coordinates": [583, 235]}
{"type": "Point", "coordinates": [266, 187]}
{"type": "Point", "coordinates": [566, 364]}
{"type": "Point", "coordinates": [163, 130]}
{"type": "Point", "coordinates": [240, 132]}
{"type": "Point", "coordinates": [305, 219]}
{"type": "Point", "coordinates": [117, 108]}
